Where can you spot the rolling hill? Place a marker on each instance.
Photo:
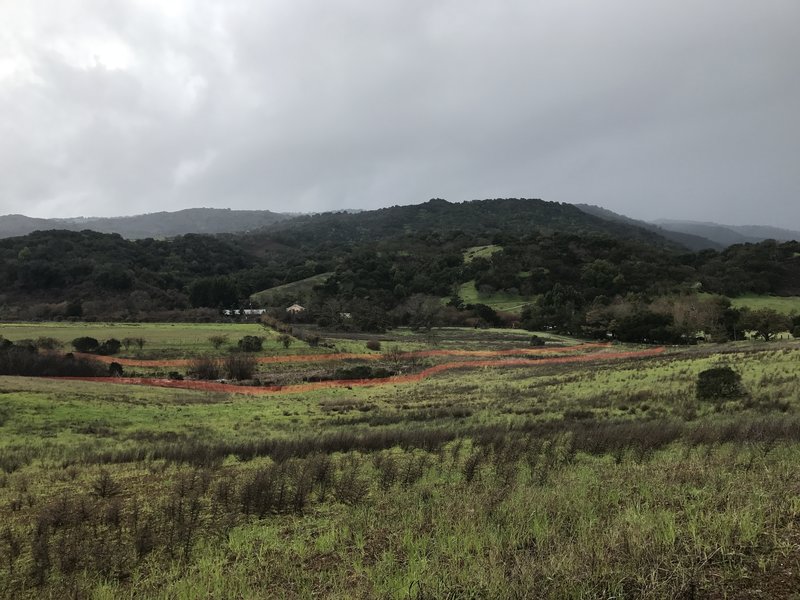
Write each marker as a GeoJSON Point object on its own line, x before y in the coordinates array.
{"type": "Point", "coordinates": [727, 235]}
{"type": "Point", "coordinates": [378, 263]}
{"type": "Point", "coordinates": [485, 219]}
{"type": "Point", "coordinates": [157, 225]}
{"type": "Point", "coordinates": [690, 240]}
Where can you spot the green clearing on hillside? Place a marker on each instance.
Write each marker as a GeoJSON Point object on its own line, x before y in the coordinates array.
{"type": "Point", "coordinates": [297, 290]}
{"type": "Point", "coordinates": [782, 304]}
{"type": "Point", "coordinates": [500, 301]}
{"type": "Point", "coordinates": [474, 252]}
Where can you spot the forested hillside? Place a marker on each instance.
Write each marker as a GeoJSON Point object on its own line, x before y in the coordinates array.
{"type": "Point", "coordinates": [387, 267]}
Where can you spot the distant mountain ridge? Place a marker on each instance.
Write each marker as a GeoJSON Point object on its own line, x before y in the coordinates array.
{"type": "Point", "coordinates": [498, 216]}
{"type": "Point", "coordinates": [152, 225]}
{"type": "Point", "coordinates": [478, 215]}
{"type": "Point", "coordinates": [689, 240]}
{"type": "Point", "coordinates": [727, 235]}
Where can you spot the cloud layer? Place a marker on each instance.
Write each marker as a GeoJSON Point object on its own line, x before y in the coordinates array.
{"type": "Point", "coordinates": [653, 109]}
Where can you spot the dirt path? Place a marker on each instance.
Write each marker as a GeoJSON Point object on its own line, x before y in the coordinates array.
{"type": "Point", "coordinates": [210, 386]}
{"type": "Point", "coordinates": [302, 358]}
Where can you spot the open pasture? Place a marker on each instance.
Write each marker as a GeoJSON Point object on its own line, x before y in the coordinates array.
{"type": "Point", "coordinates": [783, 304]}
{"type": "Point", "coordinates": [498, 300]}
{"type": "Point", "coordinates": [166, 340]}
{"type": "Point", "coordinates": [581, 480]}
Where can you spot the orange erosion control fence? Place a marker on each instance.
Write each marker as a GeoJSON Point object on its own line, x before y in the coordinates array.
{"type": "Point", "coordinates": [210, 386]}
{"type": "Point", "coordinates": [303, 358]}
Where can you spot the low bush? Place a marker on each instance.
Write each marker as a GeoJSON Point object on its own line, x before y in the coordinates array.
{"type": "Point", "coordinates": [109, 347]}
{"type": "Point", "coordinates": [250, 343]}
{"type": "Point", "coordinates": [218, 341]}
{"type": "Point", "coordinates": [719, 383]}
{"type": "Point", "coordinates": [536, 341]}
{"type": "Point", "coordinates": [239, 365]}
{"type": "Point", "coordinates": [115, 369]}
{"type": "Point", "coordinates": [25, 361]}
{"type": "Point", "coordinates": [48, 343]}
{"type": "Point", "coordinates": [205, 367]}
{"type": "Point", "coordinates": [85, 344]}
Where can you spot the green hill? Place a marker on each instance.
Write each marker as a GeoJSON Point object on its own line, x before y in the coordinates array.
{"type": "Point", "coordinates": [297, 291]}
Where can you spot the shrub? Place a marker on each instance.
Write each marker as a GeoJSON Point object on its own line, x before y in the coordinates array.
{"type": "Point", "coordinates": [251, 343]}
{"type": "Point", "coordinates": [536, 341]}
{"type": "Point", "coordinates": [115, 369]}
{"type": "Point", "coordinates": [85, 344]}
{"type": "Point", "coordinates": [719, 383]}
{"type": "Point", "coordinates": [393, 354]}
{"type": "Point", "coordinates": [109, 347]}
{"type": "Point", "coordinates": [204, 367]}
{"type": "Point", "coordinates": [218, 341]}
{"type": "Point", "coordinates": [105, 486]}
{"type": "Point", "coordinates": [285, 339]}
{"type": "Point", "coordinates": [48, 343]}
{"type": "Point", "coordinates": [25, 361]}
{"type": "Point", "coordinates": [374, 345]}
{"type": "Point", "coordinates": [239, 366]}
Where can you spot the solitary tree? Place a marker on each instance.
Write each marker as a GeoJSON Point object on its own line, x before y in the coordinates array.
{"type": "Point", "coordinates": [765, 322]}
{"type": "Point", "coordinates": [719, 383]}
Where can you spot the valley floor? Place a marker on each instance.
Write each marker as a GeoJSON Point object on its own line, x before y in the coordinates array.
{"type": "Point", "coordinates": [555, 479]}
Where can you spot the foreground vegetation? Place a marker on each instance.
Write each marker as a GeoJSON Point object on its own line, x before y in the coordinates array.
{"type": "Point", "coordinates": [579, 480]}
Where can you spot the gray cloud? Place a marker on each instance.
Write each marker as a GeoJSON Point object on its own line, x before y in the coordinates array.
{"type": "Point", "coordinates": [657, 109]}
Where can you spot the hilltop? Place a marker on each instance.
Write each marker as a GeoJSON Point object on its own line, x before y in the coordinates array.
{"type": "Point", "coordinates": [436, 262]}
{"type": "Point", "coordinates": [157, 225]}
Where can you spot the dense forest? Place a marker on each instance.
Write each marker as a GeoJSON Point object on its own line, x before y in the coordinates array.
{"type": "Point", "coordinates": [402, 265]}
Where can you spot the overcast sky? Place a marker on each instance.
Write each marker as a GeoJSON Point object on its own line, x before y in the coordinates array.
{"type": "Point", "coordinates": [652, 109]}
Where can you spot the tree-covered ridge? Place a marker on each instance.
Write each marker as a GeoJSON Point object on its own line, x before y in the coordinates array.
{"type": "Point", "coordinates": [501, 216]}
{"type": "Point", "coordinates": [381, 261]}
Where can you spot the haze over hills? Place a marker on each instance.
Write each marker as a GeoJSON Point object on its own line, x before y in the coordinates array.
{"type": "Point", "coordinates": [151, 225]}
{"type": "Point", "coordinates": [689, 240]}
{"type": "Point", "coordinates": [727, 235]}
{"type": "Point", "coordinates": [517, 215]}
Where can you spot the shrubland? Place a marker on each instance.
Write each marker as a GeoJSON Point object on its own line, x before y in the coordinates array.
{"type": "Point", "coordinates": [572, 480]}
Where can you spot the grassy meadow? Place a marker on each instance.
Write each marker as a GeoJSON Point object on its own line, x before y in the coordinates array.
{"type": "Point", "coordinates": [169, 340]}
{"type": "Point", "coordinates": [296, 290]}
{"type": "Point", "coordinates": [586, 480]}
{"type": "Point", "coordinates": [498, 300]}
{"type": "Point", "coordinates": [783, 304]}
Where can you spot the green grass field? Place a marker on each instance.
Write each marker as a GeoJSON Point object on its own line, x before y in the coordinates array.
{"type": "Point", "coordinates": [474, 252]}
{"type": "Point", "coordinates": [296, 289]}
{"type": "Point", "coordinates": [500, 301]}
{"type": "Point", "coordinates": [169, 340]}
{"type": "Point", "coordinates": [784, 304]}
{"type": "Point", "coordinates": [607, 479]}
